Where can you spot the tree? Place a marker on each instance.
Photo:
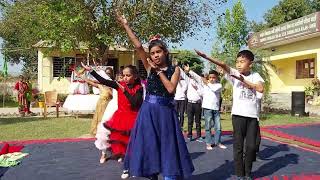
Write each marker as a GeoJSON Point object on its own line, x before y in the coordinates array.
{"type": "Point", "coordinates": [232, 34]}
{"type": "Point", "coordinates": [184, 57]}
{"type": "Point", "coordinates": [285, 11]}
{"type": "Point", "coordinates": [69, 24]}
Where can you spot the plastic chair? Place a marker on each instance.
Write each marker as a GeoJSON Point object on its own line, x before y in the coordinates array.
{"type": "Point", "coordinates": [51, 100]}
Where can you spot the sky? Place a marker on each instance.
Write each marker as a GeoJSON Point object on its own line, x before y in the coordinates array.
{"type": "Point", "coordinates": [255, 10]}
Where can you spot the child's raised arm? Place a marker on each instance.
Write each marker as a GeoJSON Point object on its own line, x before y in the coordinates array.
{"type": "Point", "coordinates": [137, 44]}
{"type": "Point", "coordinates": [223, 65]}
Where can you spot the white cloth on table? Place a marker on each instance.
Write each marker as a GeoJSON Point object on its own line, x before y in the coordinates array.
{"type": "Point", "coordinates": [79, 102]}
{"type": "Point", "coordinates": [103, 133]}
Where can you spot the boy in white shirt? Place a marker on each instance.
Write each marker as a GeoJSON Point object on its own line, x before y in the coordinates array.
{"type": "Point", "coordinates": [194, 105]}
{"type": "Point", "coordinates": [246, 84]}
{"type": "Point", "coordinates": [211, 93]}
{"type": "Point", "coordinates": [180, 99]}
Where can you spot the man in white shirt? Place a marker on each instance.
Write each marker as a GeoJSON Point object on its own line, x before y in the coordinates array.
{"type": "Point", "coordinates": [180, 99]}
{"type": "Point", "coordinates": [194, 105]}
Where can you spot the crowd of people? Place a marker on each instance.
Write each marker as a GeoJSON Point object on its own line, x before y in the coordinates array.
{"type": "Point", "coordinates": [142, 125]}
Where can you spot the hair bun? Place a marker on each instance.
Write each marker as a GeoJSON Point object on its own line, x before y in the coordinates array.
{"type": "Point", "coordinates": [154, 38]}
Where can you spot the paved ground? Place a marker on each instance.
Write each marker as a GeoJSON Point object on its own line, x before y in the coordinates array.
{"type": "Point", "coordinates": [79, 160]}
{"type": "Point", "coordinates": [13, 112]}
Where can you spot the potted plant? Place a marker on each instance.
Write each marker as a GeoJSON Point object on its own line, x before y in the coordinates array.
{"type": "Point", "coordinates": [40, 99]}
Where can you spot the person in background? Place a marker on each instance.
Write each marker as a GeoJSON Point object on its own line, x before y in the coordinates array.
{"type": "Point", "coordinates": [180, 98]}
{"type": "Point", "coordinates": [22, 87]}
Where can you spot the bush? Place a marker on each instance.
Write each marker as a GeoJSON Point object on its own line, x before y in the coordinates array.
{"type": "Point", "coordinates": [8, 98]}
{"type": "Point", "coordinates": [10, 101]}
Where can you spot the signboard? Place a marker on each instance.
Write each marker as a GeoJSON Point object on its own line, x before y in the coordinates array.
{"type": "Point", "coordinates": [299, 27]}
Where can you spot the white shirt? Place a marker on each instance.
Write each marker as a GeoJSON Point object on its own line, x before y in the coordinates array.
{"type": "Point", "coordinates": [193, 88]}
{"type": "Point", "coordinates": [244, 99]}
{"type": "Point", "coordinates": [211, 93]}
{"type": "Point", "coordinates": [181, 89]}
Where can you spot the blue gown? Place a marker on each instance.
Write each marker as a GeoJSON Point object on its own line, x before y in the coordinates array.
{"type": "Point", "coordinates": [156, 142]}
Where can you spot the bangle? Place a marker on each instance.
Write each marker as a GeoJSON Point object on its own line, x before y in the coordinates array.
{"type": "Point", "coordinates": [159, 72]}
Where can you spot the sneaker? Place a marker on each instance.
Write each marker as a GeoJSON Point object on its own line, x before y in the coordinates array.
{"type": "Point", "coordinates": [209, 147]}
{"type": "Point", "coordinates": [222, 146]}
{"type": "Point", "coordinates": [120, 160]}
{"type": "Point", "coordinates": [125, 174]}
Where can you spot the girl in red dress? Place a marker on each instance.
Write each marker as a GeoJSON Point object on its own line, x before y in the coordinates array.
{"type": "Point", "coordinates": [130, 97]}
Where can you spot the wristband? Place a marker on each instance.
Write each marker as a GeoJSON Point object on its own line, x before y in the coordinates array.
{"type": "Point", "coordinates": [159, 72]}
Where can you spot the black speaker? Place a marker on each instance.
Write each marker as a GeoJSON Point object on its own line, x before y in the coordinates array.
{"type": "Point", "coordinates": [298, 103]}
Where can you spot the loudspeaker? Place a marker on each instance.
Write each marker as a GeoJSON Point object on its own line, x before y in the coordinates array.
{"type": "Point", "coordinates": [298, 103]}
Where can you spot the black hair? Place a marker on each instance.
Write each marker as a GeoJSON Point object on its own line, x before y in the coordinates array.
{"type": "Point", "coordinates": [111, 70]}
{"type": "Point", "coordinates": [246, 54]}
{"type": "Point", "coordinates": [163, 46]}
{"type": "Point", "coordinates": [134, 71]}
{"type": "Point", "coordinates": [142, 76]}
{"type": "Point", "coordinates": [214, 72]}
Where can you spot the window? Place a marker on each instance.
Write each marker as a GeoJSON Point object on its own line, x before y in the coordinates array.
{"type": "Point", "coordinates": [305, 68]}
{"type": "Point", "coordinates": [61, 66]}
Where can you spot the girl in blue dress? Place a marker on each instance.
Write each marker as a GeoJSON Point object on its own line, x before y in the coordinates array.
{"type": "Point", "coordinates": [156, 143]}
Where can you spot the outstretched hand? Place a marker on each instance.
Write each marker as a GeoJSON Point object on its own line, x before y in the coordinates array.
{"type": "Point", "coordinates": [86, 67]}
{"type": "Point", "coordinates": [186, 68]}
{"type": "Point", "coordinates": [201, 53]}
{"type": "Point", "coordinates": [121, 18]}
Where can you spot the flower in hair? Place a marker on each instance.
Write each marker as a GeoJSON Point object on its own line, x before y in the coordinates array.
{"type": "Point", "coordinates": [154, 38]}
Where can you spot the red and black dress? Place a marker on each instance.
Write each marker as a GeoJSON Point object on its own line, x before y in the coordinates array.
{"type": "Point", "coordinates": [124, 118]}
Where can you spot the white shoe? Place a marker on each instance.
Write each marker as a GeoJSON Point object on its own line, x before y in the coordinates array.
{"type": "Point", "coordinates": [120, 160]}
{"type": "Point", "coordinates": [125, 174]}
{"type": "Point", "coordinates": [209, 147]}
{"type": "Point", "coordinates": [222, 146]}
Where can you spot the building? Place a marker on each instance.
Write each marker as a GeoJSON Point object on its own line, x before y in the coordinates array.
{"type": "Point", "coordinates": [53, 64]}
{"type": "Point", "coordinates": [293, 49]}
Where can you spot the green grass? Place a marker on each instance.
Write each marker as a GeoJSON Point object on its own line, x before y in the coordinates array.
{"type": "Point", "coordinates": [25, 128]}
